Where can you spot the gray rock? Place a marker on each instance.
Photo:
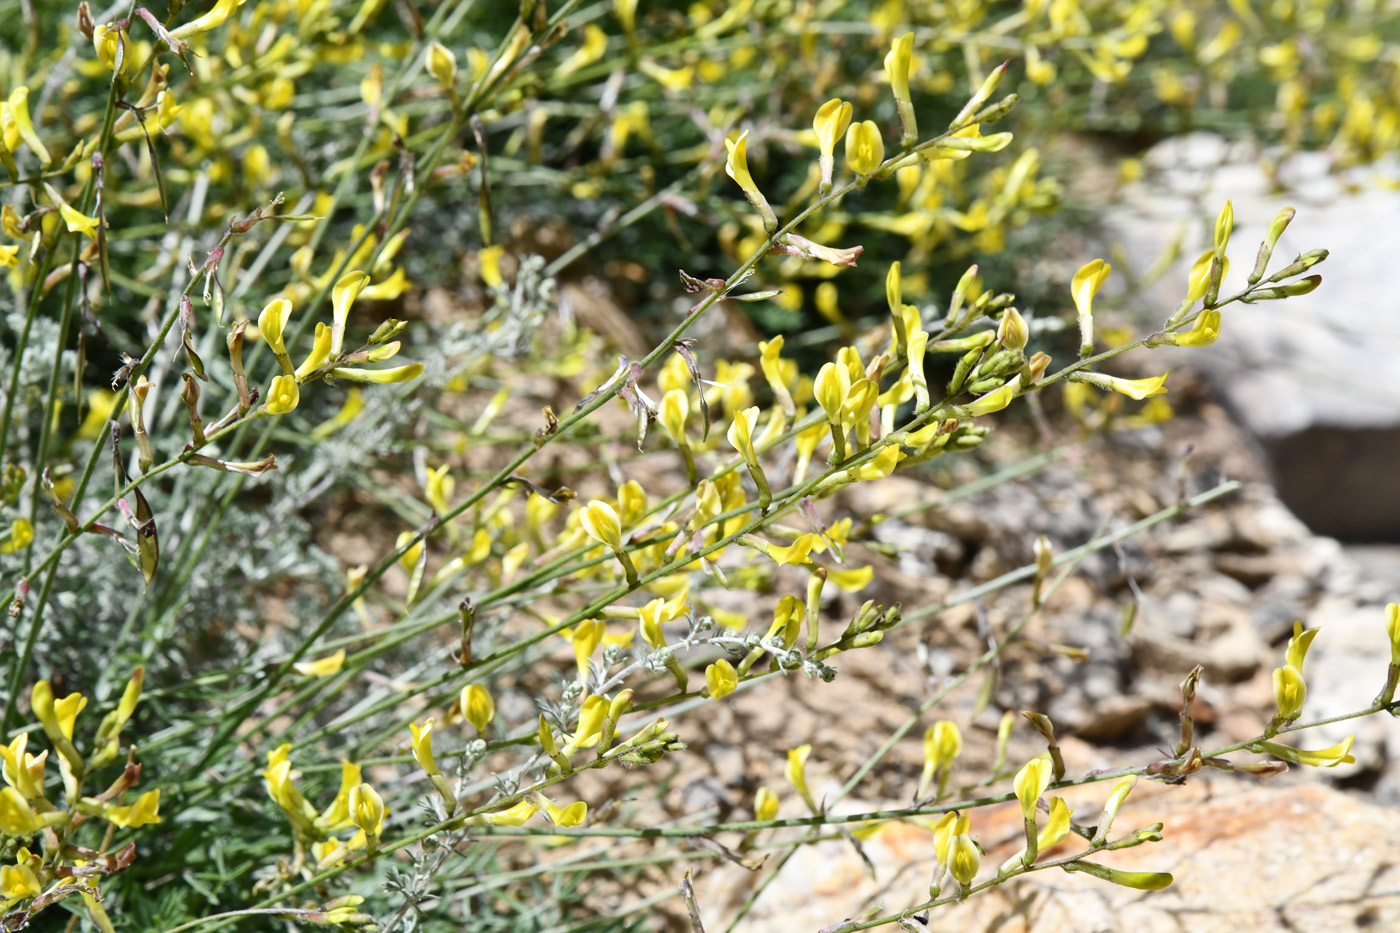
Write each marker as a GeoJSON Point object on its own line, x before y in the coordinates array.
{"type": "Point", "coordinates": [1315, 378]}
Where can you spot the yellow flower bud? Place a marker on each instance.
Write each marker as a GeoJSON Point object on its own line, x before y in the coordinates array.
{"type": "Point", "coordinates": [477, 706]}
{"type": "Point", "coordinates": [442, 64]}
{"type": "Point", "coordinates": [796, 772]}
{"type": "Point", "coordinates": [601, 523]}
{"type": "Point", "coordinates": [675, 408]}
{"type": "Point", "coordinates": [1133, 388]}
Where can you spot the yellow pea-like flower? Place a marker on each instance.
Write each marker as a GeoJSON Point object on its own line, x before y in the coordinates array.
{"type": "Point", "coordinates": [343, 294]}
{"type": "Point", "coordinates": [272, 323]}
{"type": "Point", "coordinates": [323, 667]}
{"type": "Point", "coordinates": [145, 809]}
{"type": "Point", "coordinates": [1203, 333]}
{"type": "Point", "coordinates": [897, 63]}
{"type": "Point", "coordinates": [765, 805]}
{"type": "Point", "coordinates": [367, 810]}
{"type": "Point", "coordinates": [283, 395]}
{"type": "Point", "coordinates": [721, 679]}
{"type": "Point", "coordinates": [964, 858]}
{"type": "Point", "coordinates": [320, 352]}
{"type": "Point", "coordinates": [1030, 782]}
{"type": "Point", "coordinates": [477, 706]}
{"type": "Point", "coordinates": [736, 166]}
{"type": "Point", "coordinates": [600, 522]}
{"type": "Point", "coordinates": [423, 746]}
{"type": "Point", "coordinates": [1290, 691]}
{"type": "Point", "coordinates": [830, 123]}
{"type": "Point", "coordinates": [78, 222]}
{"type": "Point", "coordinates": [379, 376]}
{"type": "Point", "coordinates": [865, 150]}
{"type": "Point", "coordinates": [18, 881]}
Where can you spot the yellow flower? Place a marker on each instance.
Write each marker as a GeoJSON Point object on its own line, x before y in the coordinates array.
{"type": "Point", "coordinates": [1204, 333]}
{"type": "Point", "coordinates": [379, 376]}
{"type": "Point", "coordinates": [17, 817]}
{"type": "Point", "coordinates": [830, 124]}
{"type": "Point", "coordinates": [995, 400]}
{"type": "Point", "coordinates": [832, 385]}
{"type": "Point", "coordinates": [343, 294]}
{"type": "Point", "coordinates": [737, 167]}
{"type": "Point", "coordinates": [1057, 826]}
{"type": "Point", "coordinates": [423, 746]}
{"type": "Point", "coordinates": [1290, 691]}
{"type": "Point", "coordinates": [765, 805]}
{"type": "Point", "coordinates": [964, 858]}
{"type": "Point", "coordinates": [1298, 644]}
{"type": "Point", "coordinates": [18, 881]}
{"type": "Point", "coordinates": [16, 125]}
{"type": "Point", "coordinates": [211, 20]}
{"type": "Point", "coordinates": [1198, 280]}
{"type": "Point", "coordinates": [145, 810]}
{"type": "Point", "coordinates": [897, 62]}
{"type": "Point", "coordinates": [1338, 754]}
{"type": "Point", "coordinates": [942, 744]}
{"type": "Point", "coordinates": [1392, 630]}
{"type": "Point", "coordinates": [1030, 782]}
{"type": "Point", "coordinates": [23, 771]}
{"type": "Point", "coordinates": [675, 408]}
{"type": "Point", "coordinates": [572, 815]}
{"type": "Point", "coordinates": [721, 679]}
{"type": "Point", "coordinates": [442, 64]}
{"type": "Point", "coordinates": [796, 772]}
{"type": "Point", "coordinates": [740, 434]}
{"type": "Point", "coordinates": [865, 150]}
{"type": "Point", "coordinates": [108, 41]}
{"type": "Point", "coordinates": [477, 706]}
{"type": "Point", "coordinates": [1086, 284]}
{"type": "Point", "coordinates": [513, 816]}
{"type": "Point", "coordinates": [9, 255]}
{"type": "Point", "coordinates": [1133, 388]}
{"type": "Point", "coordinates": [272, 323]}
{"type": "Point", "coordinates": [337, 815]}
{"type": "Point", "coordinates": [367, 809]}
{"type": "Point", "coordinates": [600, 522]}
{"type": "Point", "coordinates": [77, 221]}
{"type": "Point", "coordinates": [320, 352]}
{"type": "Point", "coordinates": [323, 667]}
{"type": "Point", "coordinates": [1224, 224]}
{"type": "Point", "coordinates": [283, 395]}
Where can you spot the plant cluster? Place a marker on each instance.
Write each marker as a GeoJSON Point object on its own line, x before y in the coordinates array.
{"type": "Point", "coordinates": [211, 242]}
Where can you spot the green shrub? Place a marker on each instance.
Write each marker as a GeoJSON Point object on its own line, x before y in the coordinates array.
{"type": "Point", "coordinates": [221, 225]}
